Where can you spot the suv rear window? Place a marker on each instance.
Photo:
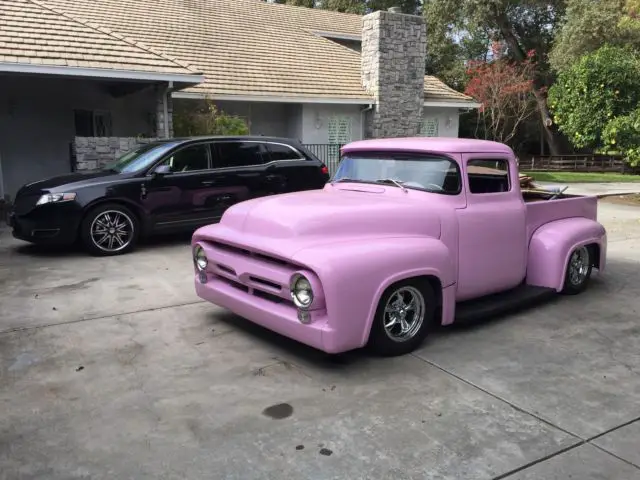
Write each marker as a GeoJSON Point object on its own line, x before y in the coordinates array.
{"type": "Point", "coordinates": [238, 154]}
{"type": "Point", "coordinates": [282, 152]}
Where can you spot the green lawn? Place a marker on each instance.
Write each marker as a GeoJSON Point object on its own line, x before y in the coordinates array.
{"type": "Point", "coordinates": [577, 177]}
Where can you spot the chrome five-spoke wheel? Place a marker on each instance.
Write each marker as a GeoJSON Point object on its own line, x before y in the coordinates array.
{"type": "Point", "coordinates": [109, 229]}
{"type": "Point", "coordinates": [404, 314]}
{"type": "Point", "coordinates": [579, 266]}
{"type": "Point", "coordinates": [578, 270]}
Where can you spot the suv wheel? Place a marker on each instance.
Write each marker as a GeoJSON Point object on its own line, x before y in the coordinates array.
{"type": "Point", "coordinates": [110, 229]}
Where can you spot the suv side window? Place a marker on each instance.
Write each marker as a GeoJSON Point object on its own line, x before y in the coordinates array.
{"type": "Point", "coordinates": [282, 152]}
{"type": "Point", "coordinates": [488, 175]}
{"type": "Point", "coordinates": [189, 159]}
{"type": "Point", "coordinates": [239, 154]}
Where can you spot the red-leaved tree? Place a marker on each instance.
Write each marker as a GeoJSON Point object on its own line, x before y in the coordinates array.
{"type": "Point", "coordinates": [504, 89]}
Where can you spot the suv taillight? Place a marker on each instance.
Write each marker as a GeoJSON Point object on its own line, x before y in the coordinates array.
{"type": "Point", "coordinates": [324, 169]}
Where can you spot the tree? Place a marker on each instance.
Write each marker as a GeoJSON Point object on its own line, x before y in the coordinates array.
{"type": "Point", "coordinates": [589, 24]}
{"type": "Point", "coordinates": [523, 25]}
{"type": "Point", "coordinates": [623, 134]}
{"type": "Point", "coordinates": [207, 119]}
{"type": "Point", "coordinates": [504, 87]}
{"type": "Point", "coordinates": [595, 98]}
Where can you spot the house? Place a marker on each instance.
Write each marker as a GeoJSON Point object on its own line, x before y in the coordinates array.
{"type": "Point", "coordinates": [83, 80]}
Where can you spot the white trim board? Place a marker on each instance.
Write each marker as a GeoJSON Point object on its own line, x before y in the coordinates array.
{"type": "Point", "coordinates": [273, 99]}
{"type": "Point", "coordinates": [335, 101]}
{"type": "Point", "coordinates": [451, 104]}
{"type": "Point", "coordinates": [100, 73]}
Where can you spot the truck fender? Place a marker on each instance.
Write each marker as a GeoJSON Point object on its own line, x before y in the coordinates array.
{"type": "Point", "coordinates": [552, 243]}
{"type": "Point", "coordinates": [355, 275]}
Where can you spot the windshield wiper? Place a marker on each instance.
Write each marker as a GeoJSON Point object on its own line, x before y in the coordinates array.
{"type": "Point", "coordinates": [395, 182]}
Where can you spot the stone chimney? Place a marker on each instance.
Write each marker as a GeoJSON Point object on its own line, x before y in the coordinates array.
{"type": "Point", "coordinates": [394, 48]}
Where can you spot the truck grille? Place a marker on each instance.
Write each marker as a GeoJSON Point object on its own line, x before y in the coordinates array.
{"type": "Point", "coordinates": [255, 273]}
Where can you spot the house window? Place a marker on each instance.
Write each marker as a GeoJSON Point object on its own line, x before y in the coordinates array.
{"type": "Point", "coordinates": [339, 130]}
{"type": "Point", "coordinates": [93, 123]}
{"type": "Point", "coordinates": [429, 127]}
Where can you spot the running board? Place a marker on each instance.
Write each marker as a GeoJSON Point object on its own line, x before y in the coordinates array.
{"type": "Point", "coordinates": [501, 303]}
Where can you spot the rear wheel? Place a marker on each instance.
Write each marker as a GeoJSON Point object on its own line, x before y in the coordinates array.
{"type": "Point", "coordinates": [578, 271]}
{"type": "Point", "coordinates": [110, 229]}
{"type": "Point", "coordinates": [403, 318]}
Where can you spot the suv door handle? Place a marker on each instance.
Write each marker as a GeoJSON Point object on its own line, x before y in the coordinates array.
{"type": "Point", "coordinates": [271, 178]}
{"type": "Point", "coordinates": [208, 182]}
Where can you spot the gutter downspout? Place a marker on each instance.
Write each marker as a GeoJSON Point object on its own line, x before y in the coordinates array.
{"type": "Point", "coordinates": [363, 114]}
{"type": "Point", "coordinates": [165, 108]}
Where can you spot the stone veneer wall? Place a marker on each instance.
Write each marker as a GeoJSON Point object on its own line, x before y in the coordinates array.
{"type": "Point", "coordinates": [92, 153]}
{"type": "Point", "coordinates": [394, 48]}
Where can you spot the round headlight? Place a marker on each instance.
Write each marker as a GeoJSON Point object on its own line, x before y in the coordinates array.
{"type": "Point", "coordinates": [301, 291]}
{"type": "Point", "coordinates": [200, 258]}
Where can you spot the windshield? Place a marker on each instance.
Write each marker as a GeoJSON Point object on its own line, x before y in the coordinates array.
{"type": "Point", "coordinates": [426, 172]}
{"type": "Point", "coordinates": [141, 157]}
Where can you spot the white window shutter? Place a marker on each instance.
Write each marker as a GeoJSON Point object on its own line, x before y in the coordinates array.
{"type": "Point", "coordinates": [429, 127]}
{"type": "Point", "coordinates": [339, 130]}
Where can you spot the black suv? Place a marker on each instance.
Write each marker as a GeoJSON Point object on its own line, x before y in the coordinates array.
{"type": "Point", "coordinates": [164, 186]}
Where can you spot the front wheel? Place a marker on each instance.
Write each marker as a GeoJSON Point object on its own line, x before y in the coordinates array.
{"type": "Point", "coordinates": [403, 318]}
{"type": "Point", "coordinates": [578, 271]}
{"type": "Point", "coordinates": [109, 229]}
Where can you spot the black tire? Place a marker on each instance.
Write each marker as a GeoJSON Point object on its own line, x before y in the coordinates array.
{"type": "Point", "coordinates": [577, 275]}
{"type": "Point", "coordinates": [381, 340]}
{"type": "Point", "coordinates": [91, 230]}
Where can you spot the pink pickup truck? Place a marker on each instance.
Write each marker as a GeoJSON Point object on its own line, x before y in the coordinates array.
{"type": "Point", "coordinates": [409, 233]}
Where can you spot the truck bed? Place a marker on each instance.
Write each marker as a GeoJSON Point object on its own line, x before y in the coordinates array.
{"type": "Point", "coordinates": [565, 206]}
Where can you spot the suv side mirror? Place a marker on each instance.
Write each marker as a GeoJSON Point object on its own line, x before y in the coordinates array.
{"type": "Point", "coordinates": [161, 170]}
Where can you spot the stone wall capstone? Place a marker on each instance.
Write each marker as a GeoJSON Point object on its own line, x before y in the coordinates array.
{"type": "Point", "coordinates": [394, 48]}
{"type": "Point", "coordinates": [93, 153]}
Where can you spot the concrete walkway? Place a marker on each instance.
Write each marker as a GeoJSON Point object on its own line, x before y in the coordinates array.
{"type": "Point", "coordinates": [599, 189]}
{"type": "Point", "coordinates": [112, 368]}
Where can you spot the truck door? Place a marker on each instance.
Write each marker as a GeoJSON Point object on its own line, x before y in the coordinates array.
{"type": "Point", "coordinates": [492, 252]}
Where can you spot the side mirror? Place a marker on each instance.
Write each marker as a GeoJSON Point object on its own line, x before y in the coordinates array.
{"type": "Point", "coordinates": [161, 170]}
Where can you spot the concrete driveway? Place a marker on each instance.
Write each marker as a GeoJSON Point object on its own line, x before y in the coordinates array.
{"type": "Point", "coordinates": [112, 368]}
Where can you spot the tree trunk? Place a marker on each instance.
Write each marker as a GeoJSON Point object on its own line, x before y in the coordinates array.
{"type": "Point", "coordinates": [551, 134]}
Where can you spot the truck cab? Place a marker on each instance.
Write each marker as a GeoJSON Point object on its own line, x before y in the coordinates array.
{"type": "Point", "coordinates": [408, 233]}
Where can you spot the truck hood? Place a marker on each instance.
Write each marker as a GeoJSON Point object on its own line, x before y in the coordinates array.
{"type": "Point", "coordinates": [334, 214]}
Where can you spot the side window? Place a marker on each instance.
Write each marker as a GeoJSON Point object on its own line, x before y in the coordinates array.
{"type": "Point", "coordinates": [282, 152]}
{"type": "Point", "coordinates": [238, 154]}
{"type": "Point", "coordinates": [488, 175]}
{"type": "Point", "coordinates": [189, 159]}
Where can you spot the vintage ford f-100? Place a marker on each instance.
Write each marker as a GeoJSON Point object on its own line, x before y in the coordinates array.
{"type": "Point", "coordinates": [408, 234]}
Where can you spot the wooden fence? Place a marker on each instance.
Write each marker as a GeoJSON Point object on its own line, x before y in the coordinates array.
{"type": "Point", "coordinates": [577, 163]}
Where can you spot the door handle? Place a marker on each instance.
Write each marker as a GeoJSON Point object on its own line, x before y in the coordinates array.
{"type": "Point", "coordinates": [208, 182]}
{"type": "Point", "coordinates": [271, 178]}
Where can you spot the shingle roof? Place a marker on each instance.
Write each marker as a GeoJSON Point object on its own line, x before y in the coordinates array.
{"type": "Point", "coordinates": [436, 90]}
{"type": "Point", "coordinates": [244, 47]}
{"type": "Point", "coordinates": [34, 33]}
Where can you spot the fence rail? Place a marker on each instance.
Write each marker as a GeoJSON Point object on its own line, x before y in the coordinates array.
{"type": "Point", "coordinates": [329, 153]}
{"type": "Point", "coordinates": [578, 163]}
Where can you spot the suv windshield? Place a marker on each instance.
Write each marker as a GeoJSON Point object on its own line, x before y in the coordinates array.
{"type": "Point", "coordinates": [426, 172]}
{"type": "Point", "coordinates": [141, 157]}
